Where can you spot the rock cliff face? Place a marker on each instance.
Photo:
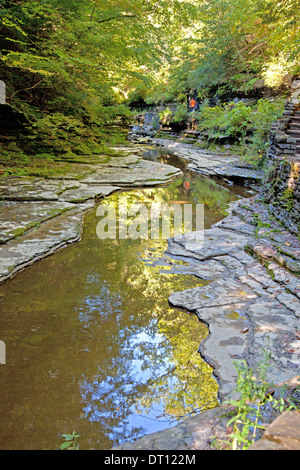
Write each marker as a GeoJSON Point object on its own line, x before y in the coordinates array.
{"type": "Point", "coordinates": [281, 188]}
{"type": "Point", "coordinates": [146, 127]}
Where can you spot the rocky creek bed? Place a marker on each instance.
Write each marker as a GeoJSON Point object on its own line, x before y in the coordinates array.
{"type": "Point", "coordinates": [39, 216]}
{"type": "Point", "coordinates": [250, 302]}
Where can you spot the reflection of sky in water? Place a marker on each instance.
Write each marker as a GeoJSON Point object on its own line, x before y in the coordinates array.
{"type": "Point", "coordinates": [127, 383]}
{"type": "Point", "coordinates": [101, 304]}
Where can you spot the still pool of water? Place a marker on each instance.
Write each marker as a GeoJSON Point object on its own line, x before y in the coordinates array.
{"type": "Point", "coordinates": [92, 344]}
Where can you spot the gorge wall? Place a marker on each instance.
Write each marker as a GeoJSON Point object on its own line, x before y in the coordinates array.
{"type": "Point", "coordinates": [281, 187]}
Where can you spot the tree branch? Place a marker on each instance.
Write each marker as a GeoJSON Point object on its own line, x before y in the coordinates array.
{"type": "Point", "coordinates": [100, 22]}
{"type": "Point", "coordinates": [29, 88]}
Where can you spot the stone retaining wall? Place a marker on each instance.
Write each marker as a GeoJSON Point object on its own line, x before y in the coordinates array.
{"type": "Point", "coordinates": [281, 191]}
{"type": "Point", "coordinates": [282, 144]}
{"type": "Point", "coordinates": [281, 186]}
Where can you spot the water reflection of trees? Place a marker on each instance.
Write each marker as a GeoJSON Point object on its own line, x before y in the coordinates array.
{"type": "Point", "coordinates": [155, 360]}
{"type": "Point", "coordinates": [103, 348]}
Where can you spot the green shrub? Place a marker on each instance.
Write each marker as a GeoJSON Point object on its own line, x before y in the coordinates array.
{"type": "Point", "coordinates": [236, 120]}
{"type": "Point", "coordinates": [64, 136]}
{"type": "Point", "coordinates": [181, 114]}
{"type": "Point", "coordinates": [211, 119]}
{"type": "Point", "coordinates": [165, 116]}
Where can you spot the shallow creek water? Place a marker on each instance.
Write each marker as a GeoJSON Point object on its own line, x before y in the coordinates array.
{"type": "Point", "coordinates": [93, 345]}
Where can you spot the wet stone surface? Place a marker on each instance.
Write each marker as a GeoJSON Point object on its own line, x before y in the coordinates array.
{"type": "Point", "coordinates": [39, 215]}
{"type": "Point", "coordinates": [211, 163]}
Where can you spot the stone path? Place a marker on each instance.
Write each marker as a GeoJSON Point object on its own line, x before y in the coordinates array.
{"type": "Point", "coordinates": [38, 216]}
{"type": "Point", "coordinates": [211, 163]}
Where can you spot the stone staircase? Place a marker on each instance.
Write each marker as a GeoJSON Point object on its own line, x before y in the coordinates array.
{"type": "Point", "coordinates": [285, 132]}
{"type": "Point", "coordinates": [281, 186]}
{"type": "Point", "coordinates": [294, 131]}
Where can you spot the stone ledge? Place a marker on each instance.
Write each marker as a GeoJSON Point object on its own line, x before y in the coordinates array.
{"type": "Point", "coordinates": [282, 434]}
{"type": "Point", "coordinates": [40, 216]}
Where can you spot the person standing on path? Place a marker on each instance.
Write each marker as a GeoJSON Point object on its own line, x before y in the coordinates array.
{"type": "Point", "coordinates": [192, 104]}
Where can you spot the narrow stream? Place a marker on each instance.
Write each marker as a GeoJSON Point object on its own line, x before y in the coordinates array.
{"type": "Point", "coordinates": [93, 345]}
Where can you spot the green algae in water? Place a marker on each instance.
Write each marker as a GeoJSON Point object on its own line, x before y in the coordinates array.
{"type": "Point", "coordinates": [94, 346]}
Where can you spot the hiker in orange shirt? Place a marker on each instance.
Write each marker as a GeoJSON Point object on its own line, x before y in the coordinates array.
{"type": "Point", "coordinates": [187, 185]}
{"type": "Point", "coordinates": [192, 104]}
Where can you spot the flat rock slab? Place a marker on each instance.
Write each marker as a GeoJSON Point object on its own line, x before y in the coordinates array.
{"type": "Point", "coordinates": [282, 434]}
{"type": "Point", "coordinates": [39, 189]}
{"type": "Point", "coordinates": [211, 270]}
{"type": "Point", "coordinates": [144, 173]}
{"type": "Point", "coordinates": [38, 216]}
{"type": "Point", "coordinates": [123, 161]}
{"type": "Point", "coordinates": [33, 189]}
{"type": "Point", "coordinates": [219, 292]}
{"type": "Point", "coordinates": [20, 215]}
{"type": "Point", "coordinates": [16, 217]}
{"type": "Point", "coordinates": [193, 433]}
{"type": "Point", "coordinates": [211, 163]}
{"type": "Point", "coordinates": [209, 243]}
{"type": "Point", "coordinates": [46, 239]}
{"type": "Point", "coordinates": [84, 192]}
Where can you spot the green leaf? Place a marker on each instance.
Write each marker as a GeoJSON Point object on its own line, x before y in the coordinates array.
{"type": "Point", "coordinates": [65, 445]}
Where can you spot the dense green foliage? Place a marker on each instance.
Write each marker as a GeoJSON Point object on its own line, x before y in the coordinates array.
{"type": "Point", "coordinates": [72, 68]}
{"type": "Point", "coordinates": [245, 127]}
{"type": "Point", "coordinates": [69, 66]}
{"type": "Point", "coordinates": [78, 56]}
{"type": "Point", "coordinates": [248, 126]}
{"type": "Point", "coordinates": [234, 47]}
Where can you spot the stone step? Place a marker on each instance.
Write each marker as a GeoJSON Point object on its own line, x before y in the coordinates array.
{"type": "Point", "coordinates": [294, 133]}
